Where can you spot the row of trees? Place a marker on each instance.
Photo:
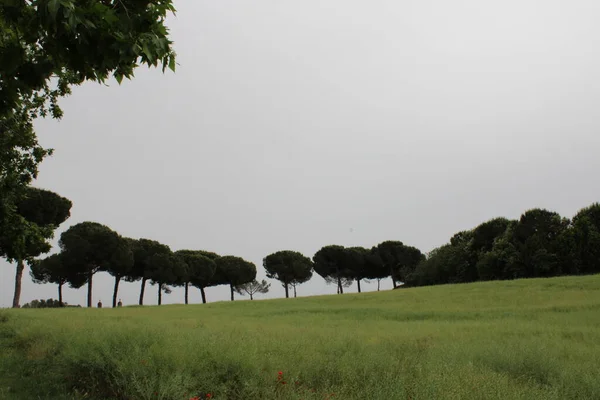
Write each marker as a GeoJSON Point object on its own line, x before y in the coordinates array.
{"type": "Point", "coordinates": [89, 247]}
{"type": "Point", "coordinates": [540, 243]}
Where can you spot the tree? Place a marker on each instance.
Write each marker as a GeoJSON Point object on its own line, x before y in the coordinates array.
{"type": "Point", "coordinates": [25, 233]}
{"type": "Point", "coordinates": [288, 267]}
{"type": "Point", "coordinates": [485, 234]}
{"type": "Point", "coordinates": [89, 247]}
{"type": "Point", "coordinates": [120, 264]}
{"type": "Point", "coordinates": [200, 272]}
{"type": "Point", "coordinates": [580, 246]}
{"type": "Point", "coordinates": [536, 237]}
{"type": "Point", "coordinates": [400, 260]}
{"type": "Point", "coordinates": [331, 263]}
{"type": "Point", "coordinates": [251, 288]}
{"type": "Point", "coordinates": [358, 264]}
{"type": "Point", "coordinates": [53, 269]}
{"type": "Point", "coordinates": [376, 268]}
{"type": "Point", "coordinates": [143, 250]}
{"type": "Point", "coordinates": [164, 269]}
{"type": "Point", "coordinates": [47, 46]}
{"type": "Point", "coordinates": [234, 271]}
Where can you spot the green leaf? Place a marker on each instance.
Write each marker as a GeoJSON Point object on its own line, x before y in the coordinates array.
{"type": "Point", "coordinates": [172, 62]}
{"type": "Point", "coordinates": [119, 77]}
{"type": "Point", "coordinates": [146, 51]}
{"type": "Point", "coordinates": [53, 6]}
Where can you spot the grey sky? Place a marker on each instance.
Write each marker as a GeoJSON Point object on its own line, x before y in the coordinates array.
{"type": "Point", "coordinates": [290, 122]}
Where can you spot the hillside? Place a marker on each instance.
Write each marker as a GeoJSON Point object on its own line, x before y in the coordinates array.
{"type": "Point", "coordinates": [526, 339]}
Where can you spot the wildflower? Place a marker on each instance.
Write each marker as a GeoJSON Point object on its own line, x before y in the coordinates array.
{"type": "Point", "coordinates": [208, 396]}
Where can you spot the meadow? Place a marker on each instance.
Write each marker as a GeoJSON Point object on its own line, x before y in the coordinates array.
{"type": "Point", "coordinates": [524, 339]}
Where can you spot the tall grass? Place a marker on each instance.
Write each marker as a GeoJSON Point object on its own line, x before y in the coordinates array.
{"type": "Point", "coordinates": [527, 339]}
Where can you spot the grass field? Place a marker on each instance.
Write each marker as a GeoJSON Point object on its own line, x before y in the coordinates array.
{"type": "Point", "coordinates": [527, 339]}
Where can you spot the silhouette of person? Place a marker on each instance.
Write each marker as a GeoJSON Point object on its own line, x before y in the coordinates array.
{"type": "Point", "coordinates": [100, 304]}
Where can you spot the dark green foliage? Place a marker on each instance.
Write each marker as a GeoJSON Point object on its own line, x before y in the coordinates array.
{"type": "Point", "coordinates": [234, 271]}
{"type": "Point", "coordinates": [143, 251]}
{"type": "Point", "coordinates": [73, 42]}
{"type": "Point", "coordinates": [288, 267]}
{"type": "Point", "coordinates": [25, 231]}
{"type": "Point", "coordinates": [331, 263]}
{"type": "Point", "coordinates": [165, 269]}
{"type": "Point", "coordinates": [362, 264]}
{"type": "Point", "coordinates": [398, 259]}
{"type": "Point", "coordinates": [541, 243]}
{"type": "Point", "coordinates": [43, 207]}
{"type": "Point", "coordinates": [89, 247]}
{"type": "Point", "coordinates": [484, 236]}
{"type": "Point", "coordinates": [46, 47]}
{"type": "Point", "coordinates": [200, 270]}
{"type": "Point", "coordinates": [580, 244]}
{"type": "Point", "coordinates": [120, 264]}
{"type": "Point", "coordinates": [54, 269]}
{"type": "Point", "coordinates": [50, 303]}
{"type": "Point", "coordinates": [536, 237]}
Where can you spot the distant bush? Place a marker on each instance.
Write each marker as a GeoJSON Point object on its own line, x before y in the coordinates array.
{"type": "Point", "coordinates": [50, 303]}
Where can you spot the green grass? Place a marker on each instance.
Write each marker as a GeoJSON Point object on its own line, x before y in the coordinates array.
{"type": "Point", "coordinates": [527, 339]}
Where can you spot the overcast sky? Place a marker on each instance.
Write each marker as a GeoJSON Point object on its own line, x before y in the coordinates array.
{"type": "Point", "coordinates": [298, 124]}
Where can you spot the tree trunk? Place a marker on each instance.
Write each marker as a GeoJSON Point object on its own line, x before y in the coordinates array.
{"type": "Point", "coordinates": [203, 295]}
{"type": "Point", "coordinates": [358, 284]}
{"type": "Point", "coordinates": [142, 290]}
{"type": "Point", "coordinates": [159, 294]}
{"type": "Point", "coordinates": [60, 300]}
{"type": "Point", "coordinates": [251, 298]}
{"type": "Point", "coordinates": [340, 287]}
{"type": "Point", "coordinates": [287, 291]}
{"type": "Point", "coordinates": [231, 287]}
{"type": "Point", "coordinates": [90, 284]}
{"type": "Point", "coordinates": [392, 275]}
{"type": "Point", "coordinates": [18, 279]}
{"type": "Point", "coordinates": [294, 291]}
{"type": "Point", "coordinates": [186, 292]}
{"type": "Point", "coordinates": [116, 290]}
{"type": "Point", "coordinates": [378, 283]}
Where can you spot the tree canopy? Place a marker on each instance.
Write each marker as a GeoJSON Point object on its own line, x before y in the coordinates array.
{"type": "Point", "coordinates": [143, 251]}
{"type": "Point", "coordinates": [47, 46]}
{"type": "Point", "coordinates": [288, 267]}
{"type": "Point", "coordinates": [54, 269]}
{"type": "Point", "coordinates": [234, 271]}
{"type": "Point", "coordinates": [331, 263]}
{"type": "Point", "coordinates": [25, 233]}
{"type": "Point", "coordinates": [200, 270]}
{"type": "Point", "coordinates": [89, 247]}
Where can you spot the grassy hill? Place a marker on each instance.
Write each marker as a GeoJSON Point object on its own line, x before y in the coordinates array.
{"type": "Point", "coordinates": [526, 339]}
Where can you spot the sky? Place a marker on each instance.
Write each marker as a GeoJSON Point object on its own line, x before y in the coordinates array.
{"type": "Point", "coordinates": [299, 124]}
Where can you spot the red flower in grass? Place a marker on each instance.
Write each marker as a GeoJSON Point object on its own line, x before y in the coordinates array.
{"type": "Point", "coordinates": [208, 396]}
